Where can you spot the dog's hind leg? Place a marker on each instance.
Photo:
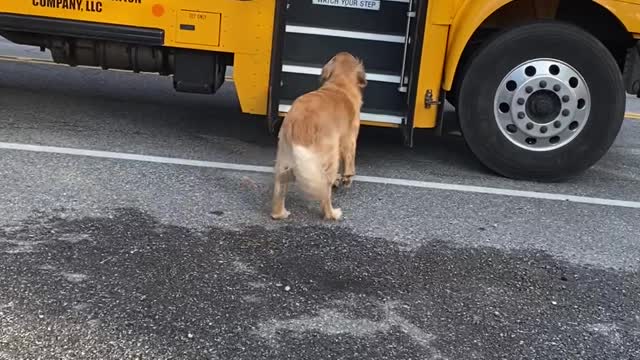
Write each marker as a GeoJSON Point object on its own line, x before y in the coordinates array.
{"type": "Point", "coordinates": [280, 188]}
{"type": "Point", "coordinates": [331, 175]}
{"type": "Point", "coordinates": [283, 176]}
{"type": "Point", "coordinates": [327, 209]}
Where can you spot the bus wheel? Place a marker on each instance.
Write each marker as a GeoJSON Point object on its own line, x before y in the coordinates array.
{"type": "Point", "coordinates": [542, 101]}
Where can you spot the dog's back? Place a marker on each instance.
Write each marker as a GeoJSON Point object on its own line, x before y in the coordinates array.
{"type": "Point", "coordinates": [318, 117]}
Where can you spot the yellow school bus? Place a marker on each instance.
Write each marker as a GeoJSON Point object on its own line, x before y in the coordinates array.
{"type": "Point", "coordinates": [539, 86]}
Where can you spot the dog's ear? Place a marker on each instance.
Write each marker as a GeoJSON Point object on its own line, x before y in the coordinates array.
{"type": "Point", "coordinates": [361, 74]}
{"type": "Point", "coordinates": [327, 70]}
{"type": "Point", "coordinates": [325, 75]}
{"type": "Point", "coordinates": [362, 78]}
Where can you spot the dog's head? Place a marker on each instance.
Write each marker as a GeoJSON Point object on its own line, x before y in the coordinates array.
{"type": "Point", "coordinates": [347, 66]}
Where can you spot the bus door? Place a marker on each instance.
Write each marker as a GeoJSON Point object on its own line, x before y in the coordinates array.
{"type": "Point", "coordinates": [380, 32]}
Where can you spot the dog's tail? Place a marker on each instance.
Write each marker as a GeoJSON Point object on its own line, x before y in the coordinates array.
{"type": "Point", "coordinates": [309, 173]}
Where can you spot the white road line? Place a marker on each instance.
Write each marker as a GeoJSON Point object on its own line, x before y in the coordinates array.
{"type": "Point", "coordinates": [367, 179]}
{"type": "Point", "coordinates": [627, 151]}
{"type": "Point", "coordinates": [635, 152]}
{"type": "Point", "coordinates": [135, 157]}
{"type": "Point", "coordinates": [503, 192]}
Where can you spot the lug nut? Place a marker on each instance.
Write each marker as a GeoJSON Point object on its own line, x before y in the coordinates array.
{"type": "Point", "coordinates": [556, 88]}
{"type": "Point", "coordinates": [557, 124]}
{"type": "Point", "coordinates": [520, 101]}
{"type": "Point", "coordinates": [566, 112]}
{"type": "Point", "coordinates": [566, 98]}
{"type": "Point", "coordinates": [543, 129]}
{"type": "Point", "coordinates": [543, 84]}
{"type": "Point", "coordinates": [521, 115]}
{"type": "Point", "coordinates": [529, 126]}
{"type": "Point", "coordinates": [528, 89]}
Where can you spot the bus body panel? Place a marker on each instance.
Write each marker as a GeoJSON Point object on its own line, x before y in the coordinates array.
{"type": "Point", "coordinates": [470, 14]}
{"type": "Point", "coordinates": [243, 28]}
{"type": "Point", "coordinates": [430, 75]}
{"type": "Point", "coordinates": [626, 11]}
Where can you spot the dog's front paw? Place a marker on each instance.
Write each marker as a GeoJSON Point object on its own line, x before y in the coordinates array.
{"type": "Point", "coordinates": [337, 181]}
{"type": "Point", "coordinates": [280, 216]}
{"type": "Point", "coordinates": [335, 214]}
{"type": "Point", "coordinates": [347, 180]}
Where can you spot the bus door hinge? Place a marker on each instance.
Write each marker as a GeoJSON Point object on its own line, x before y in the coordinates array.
{"type": "Point", "coordinates": [428, 100]}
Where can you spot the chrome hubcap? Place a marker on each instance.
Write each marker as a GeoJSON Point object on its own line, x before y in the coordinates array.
{"type": "Point", "coordinates": [542, 104]}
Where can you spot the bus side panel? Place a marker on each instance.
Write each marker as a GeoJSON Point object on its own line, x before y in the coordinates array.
{"type": "Point", "coordinates": [470, 16]}
{"type": "Point", "coordinates": [430, 77]}
{"type": "Point", "coordinates": [473, 13]}
{"type": "Point", "coordinates": [243, 28]}
{"type": "Point", "coordinates": [434, 46]}
{"type": "Point", "coordinates": [626, 12]}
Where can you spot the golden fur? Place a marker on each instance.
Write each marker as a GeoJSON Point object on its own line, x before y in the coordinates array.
{"type": "Point", "coordinates": [318, 134]}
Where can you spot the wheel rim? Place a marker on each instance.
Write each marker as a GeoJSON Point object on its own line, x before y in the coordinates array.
{"type": "Point", "coordinates": [542, 104]}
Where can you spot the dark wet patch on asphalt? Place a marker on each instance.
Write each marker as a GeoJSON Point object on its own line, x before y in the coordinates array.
{"type": "Point", "coordinates": [127, 286]}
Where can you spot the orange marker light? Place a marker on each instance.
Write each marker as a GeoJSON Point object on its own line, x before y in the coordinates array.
{"type": "Point", "coordinates": [157, 10]}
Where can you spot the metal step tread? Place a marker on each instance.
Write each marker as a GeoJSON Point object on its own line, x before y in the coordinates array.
{"type": "Point", "coordinates": [316, 69]}
{"type": "Point", "coordinates": [371, 115]}
{"type": "Point", "coordinates": [294, 28]}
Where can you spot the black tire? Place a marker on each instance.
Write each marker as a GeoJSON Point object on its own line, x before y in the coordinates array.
{"type": "Point", "coordinates": [514, 46]}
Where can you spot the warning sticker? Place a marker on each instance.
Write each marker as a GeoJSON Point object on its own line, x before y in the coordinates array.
{"type": "Point", "coordinates": [354, 4]}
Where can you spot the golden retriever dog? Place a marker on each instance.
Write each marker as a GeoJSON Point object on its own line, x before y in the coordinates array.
{"type": "Point", "coordinates": [318, 134]}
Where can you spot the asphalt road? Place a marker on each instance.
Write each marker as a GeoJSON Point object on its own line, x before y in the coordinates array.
{"type": "Point", "coordinates": [117, 259]}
